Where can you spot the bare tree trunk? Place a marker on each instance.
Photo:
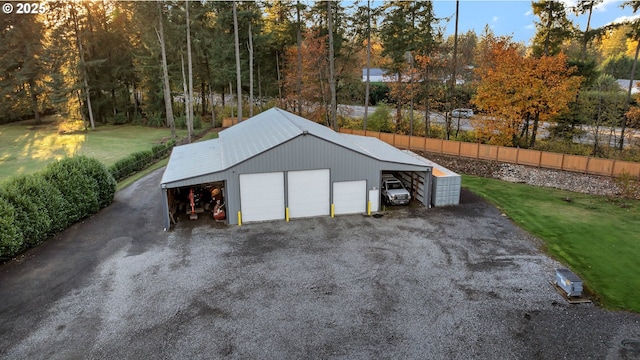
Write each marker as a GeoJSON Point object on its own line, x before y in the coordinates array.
{"type": "Point", "coordinates": [260, 89]}
{"type": "Point", "coordinates": [190, 66]}
{"type": "Point", "coordinates": [624, 117]}
{"type": "Point", "coordinates": [427, 107]}
{"type": "Point", "coordinates": [332, 71]}
{"type": "Point", "coordinates": [238, 74]}
{"type": "Point", "coordinates": [187, 100]}
{"type": "Point", "coordinates": [534, 131]}
{"type": "Point", "coordinates": [299, 72]}
{"type": "Point", "coordinates": [367, 86]}
{"type": "Point", "coordinates": [596, 145]}
{"type": "Point", "coordinates": [250, 72]}
{"type": "Point", "coordinates": [586, 38]}
{"type": "Point", "coordinates": [34, 102]}
{"type": "Point", "coordinates": [84, 70]}
{"type": "Point", "coordinates": [410, 94]}
{"type": "Point", "coordinates": [231, 97]}
{"type": "Point", "coordinates": [213, 110]}
{"type": "Point", "coordinates": [547, 38]}
{"type": "Point", "coordinates": [168, 101]}
{"type": "Point", "coordinates": [453, 72]}
{"type": "Point", "coordinates": [279, 79]}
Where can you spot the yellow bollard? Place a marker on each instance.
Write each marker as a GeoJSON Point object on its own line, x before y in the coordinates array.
{"type": "Point", "coordinates": [332, 210]}
{"type": "Point", "coordinates": [369, 208]}
{"type": "Point", "coordinates": [239, 218]}
{"type": "Point", "coordinates": [286, 214]}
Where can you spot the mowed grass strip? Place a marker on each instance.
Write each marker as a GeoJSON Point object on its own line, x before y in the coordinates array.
{"type": "Point", "coordinates": [598, 238]}
{"type": "Point", "coordinates": [26, 148]}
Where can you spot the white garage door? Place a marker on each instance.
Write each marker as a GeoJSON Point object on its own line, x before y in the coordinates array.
{"type": "Point", "coordinates": [262, 196]}
{"type": "Point", "coordinates": [308, 193]}
{"type": "Point", "coordinates": [350, 197]}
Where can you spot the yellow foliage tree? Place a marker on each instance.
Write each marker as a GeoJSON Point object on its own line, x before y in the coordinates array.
{"type": "Point", "coordinates": [518, 92]}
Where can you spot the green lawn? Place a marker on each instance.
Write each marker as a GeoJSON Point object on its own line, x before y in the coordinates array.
{"type": "Point", "coordinates": [596, 237]}
{"type": "Point", "coordinates": [25, 148]}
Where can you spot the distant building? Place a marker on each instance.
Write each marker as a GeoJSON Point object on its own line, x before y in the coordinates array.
{"type": "Point", "coordinates": [624, 85]}
{"type": "Point", "coordinates": [380, 75]}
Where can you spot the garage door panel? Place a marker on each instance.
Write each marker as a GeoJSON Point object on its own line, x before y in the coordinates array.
{"type": "Point", "coordinates": [262, 196]}
{"type": "Point", "coordinates": [308, 193]}
{"type": "Point", "coordinates": [350, 197]}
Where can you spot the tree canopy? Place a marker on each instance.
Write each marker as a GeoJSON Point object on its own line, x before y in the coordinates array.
{"type": "Point", "coordinates": [105, 62]}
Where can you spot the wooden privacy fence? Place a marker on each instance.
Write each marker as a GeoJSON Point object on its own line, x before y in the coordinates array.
{"type": "Point", "coordinates": [542, 159]}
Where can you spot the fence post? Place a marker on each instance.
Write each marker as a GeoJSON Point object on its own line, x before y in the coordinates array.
{"type": "Point", "coordinates": [613, 165]}
{"type": "Point", "coordinates": [540, 159]}
{"type": "Point", "coordinates": [586, 170]}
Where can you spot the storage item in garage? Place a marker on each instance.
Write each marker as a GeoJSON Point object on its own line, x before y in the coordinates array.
{"type": "Point", "coordinates": [569, 282]}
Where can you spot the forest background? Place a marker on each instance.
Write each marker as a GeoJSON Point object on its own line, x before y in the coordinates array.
{"type": "Point", "coordinates": [177, 64]}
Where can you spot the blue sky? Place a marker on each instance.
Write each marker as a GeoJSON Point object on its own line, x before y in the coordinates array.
{"type": "Point", "coordinates": [515, 17]}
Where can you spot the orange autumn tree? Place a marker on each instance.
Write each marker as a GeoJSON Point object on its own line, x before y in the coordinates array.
{"type": "Point", "coordinates": [314, 95]}
{"type": "Point", "coordinates": [519, 92]}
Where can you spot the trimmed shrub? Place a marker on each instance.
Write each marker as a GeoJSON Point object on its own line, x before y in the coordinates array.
{"type": "Point", "coordinates": [32, 220]}
{"type": "Point", "coordinates": [105, 183]}
{"type": "Point", "coordinates": [35, 206]}
{"type": "Point", "coordinates": [76, 187]}
{"type": "Point", "coordinates": [50, 199]}
{"type": "Point", "coordinates": [140, 160]}
{"type": "Point", "coordinates": [10, 235]}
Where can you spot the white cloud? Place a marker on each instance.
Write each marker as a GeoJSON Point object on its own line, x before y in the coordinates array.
{"type": "Point", "coordinates": [530, 27]}
{"type": "Point", "coordinates": [495, 18]}
{"type": "Point", "coordinates": [603, 6]}
{"type": "Point", "coordinates": [528, 13]}
{"type": "Point", "coordinates": [623, 19]}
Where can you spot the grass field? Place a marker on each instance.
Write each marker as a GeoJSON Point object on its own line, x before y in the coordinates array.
{"type": "Point", "coordinates": [596, 237]}
{"type": "Point", "coordinates": [25, 148]}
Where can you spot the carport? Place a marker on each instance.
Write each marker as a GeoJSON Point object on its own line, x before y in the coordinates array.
{"type": "Point", "coordinates": [280, 166]}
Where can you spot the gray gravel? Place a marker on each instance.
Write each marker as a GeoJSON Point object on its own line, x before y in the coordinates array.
{"type": "Point", "coordinates": [444, 283]}
{"type": "Point", "coordinates": [565, 180]}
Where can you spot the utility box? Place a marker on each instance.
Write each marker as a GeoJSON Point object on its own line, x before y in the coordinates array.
{"type": "Point", "coordinates": [569, 282]}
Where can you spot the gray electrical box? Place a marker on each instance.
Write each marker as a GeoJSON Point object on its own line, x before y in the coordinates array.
{"type": "Point", "coordinates": [569, 282]}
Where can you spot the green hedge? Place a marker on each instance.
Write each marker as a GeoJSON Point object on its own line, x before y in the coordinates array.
{"type": "Point", "coordinates": [140, 160]}
{"type": "Point", "coordinates": [33, 207]}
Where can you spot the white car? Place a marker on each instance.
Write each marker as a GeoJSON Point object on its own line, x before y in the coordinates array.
{"type": "Point", "coordinates": [462, 113]}
{"type": "Point", "coordinates": [394, 192]}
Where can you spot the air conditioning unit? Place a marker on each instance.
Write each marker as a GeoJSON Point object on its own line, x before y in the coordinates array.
{"type": "Point", "coordinates": [569, 282]}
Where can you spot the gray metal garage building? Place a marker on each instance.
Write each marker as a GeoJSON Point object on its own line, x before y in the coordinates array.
{"type": "Point", "coordinates": [277, 166]}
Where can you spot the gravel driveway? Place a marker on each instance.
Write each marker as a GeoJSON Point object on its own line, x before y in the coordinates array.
{"type": "Point", "coordinates": [444, 283]}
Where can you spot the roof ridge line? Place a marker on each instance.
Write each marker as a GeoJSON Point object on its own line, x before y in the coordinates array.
{"type": "Point", "coordinates": [284, 113]}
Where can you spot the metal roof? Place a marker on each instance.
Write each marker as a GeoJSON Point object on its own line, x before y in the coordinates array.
{"type": "Point", "coordinates": [382, 151]}
{"type": "Point", "coordinates": [188, 161]}
{"type": "Point", "coordinates": [261, 133]}
{"type": "Point", "coordinates": [438, 170]}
